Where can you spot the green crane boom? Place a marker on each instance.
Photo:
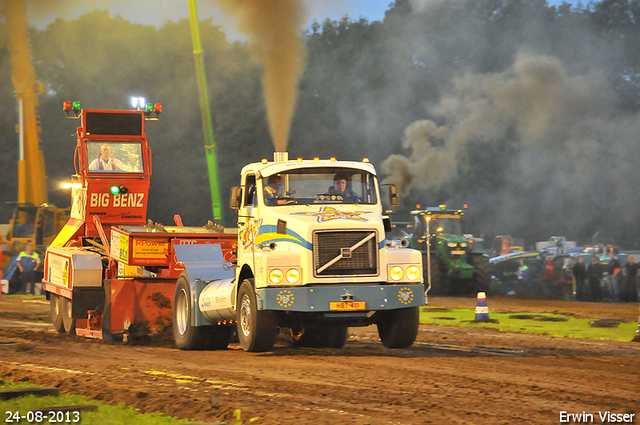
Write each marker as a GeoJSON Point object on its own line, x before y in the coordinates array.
{"type": "Point", "coordinates": [207, 125]}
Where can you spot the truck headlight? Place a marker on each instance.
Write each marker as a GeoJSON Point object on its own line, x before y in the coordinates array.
{"type": "Point", "coordinates": [452, 244]}
{"type": "Point", "coordinates": [463, 244]}
{"type": "Point", "coordinates": [396, 273]}
{"type": "Point", "coordinates": [293, 275]}
{"type": "Point", "coordinates": [413, 273]}
{"type": "Point", "coordinates": [276, 276]}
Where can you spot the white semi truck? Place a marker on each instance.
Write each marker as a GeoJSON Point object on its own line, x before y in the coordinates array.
{"type": "Point", "coordinates": [311, 261]}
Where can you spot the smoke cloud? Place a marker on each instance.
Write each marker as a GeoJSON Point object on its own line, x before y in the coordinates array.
{"type": "Point", "coordinates": [528, 145]}
{"type": "Point", "coordinates": [274, 28]}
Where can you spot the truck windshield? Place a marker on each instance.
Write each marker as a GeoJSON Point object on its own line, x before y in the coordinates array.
{"type": "Point", "coordinates": [320, 186]}
{"type": "Point", "coordinates": [114, 157]}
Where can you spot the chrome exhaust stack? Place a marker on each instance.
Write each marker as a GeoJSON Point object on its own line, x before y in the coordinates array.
{"type": "Point", "coordinates": [280, 156]}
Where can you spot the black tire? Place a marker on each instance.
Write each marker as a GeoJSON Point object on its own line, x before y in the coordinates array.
{"type": "Point", "coordinates": [55, 311]}
{"type": "Point", "coordinates": [186, 336]}
{"type": "Point", "coordinates": [398, 328]}
{"type": "Point", "coordinates": [339, 337]}
{"type": "Point", "coordinates": [481, 281]}
{"type": "Point", "coordinates": [68, 321]}
{"type": "Point", "coordinates": [438, 286]}
{"type": "Point", "coordinates": [323, 336]}
{"type": "Point", "coordinates": [257, 329]}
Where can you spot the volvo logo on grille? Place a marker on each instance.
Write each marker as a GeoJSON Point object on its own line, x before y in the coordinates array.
{"type": "Point", "coordinates": [347, 252]}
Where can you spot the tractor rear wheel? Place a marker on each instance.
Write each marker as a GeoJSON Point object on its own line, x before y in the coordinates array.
{"type": "Point", "coordinates": [481, 281]}
{"type": "Point", "coordinates": [55, 310]}
{"type": "Point", "coordinates": [257, 329]}
{"type": "Point", "coordinates": [438, 285]}
{"type": "Point", "coordinates": [398, 328]}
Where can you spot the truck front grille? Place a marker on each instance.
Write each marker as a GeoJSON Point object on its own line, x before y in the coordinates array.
{"type": "Point", "coordinates": [345, 253]}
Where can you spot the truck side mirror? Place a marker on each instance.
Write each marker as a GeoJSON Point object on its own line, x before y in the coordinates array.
{"type": "Point", "coordinates": [235, 198]}
{"type": "Point", "coordinates": [393, 195]}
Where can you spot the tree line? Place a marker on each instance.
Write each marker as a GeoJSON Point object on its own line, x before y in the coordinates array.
{"type": "Point", "coordinates": [365, 86]}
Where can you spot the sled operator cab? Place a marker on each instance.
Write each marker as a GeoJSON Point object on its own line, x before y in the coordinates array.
{"type": "Point", "coordinates": [113, 168]}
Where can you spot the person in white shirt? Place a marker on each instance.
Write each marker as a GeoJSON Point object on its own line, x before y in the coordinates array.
{"type": "Point", "coordinates": [105, 162]}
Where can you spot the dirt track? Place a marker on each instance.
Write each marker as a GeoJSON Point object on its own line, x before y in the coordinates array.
{"type": "Point", "coordinates": [451, 375]}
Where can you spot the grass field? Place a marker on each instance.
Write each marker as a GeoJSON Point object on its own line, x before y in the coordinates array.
{"type": "Point", "coordinates": [104, 415]}
{"type": "Point", "coordinates": [547, 324]}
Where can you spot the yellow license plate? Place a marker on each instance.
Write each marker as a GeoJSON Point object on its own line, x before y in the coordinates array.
{"type": "Point", "coordinates": [347, 305]}
{"type": "Point", "coordinates": [458, 252]}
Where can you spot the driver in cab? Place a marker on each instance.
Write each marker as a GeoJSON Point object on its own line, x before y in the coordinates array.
{"type": "Point", "coordinates": [340, 188]}
{"type": "Point", "coordinates": [273, 191]}
{"type": "Point", "coordinates": [105, 162]}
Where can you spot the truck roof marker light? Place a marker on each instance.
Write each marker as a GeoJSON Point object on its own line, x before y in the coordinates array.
{"type": "Point", "coordinates": [316, 159]}
{"type": "Point", "coordinates": [264, 160]}
{"type": "Point", "coordinates": [443, 207]}
{"type": "Point", "coordinates": [465, 206]}
{"type": "Point", "coordinates": [418, 206]}
{"type": "Point", "coordinates": [365, 160]}
{"type": "Point", "coordinates": [333, 159]}
{"type": "Point", "coordinates": [300, 159]}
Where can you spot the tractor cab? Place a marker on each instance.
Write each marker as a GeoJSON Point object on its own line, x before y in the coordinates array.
{"type": "Point", "coordinates": [451, 265]}
{"type": "Point", "coordinates": [439, 225]}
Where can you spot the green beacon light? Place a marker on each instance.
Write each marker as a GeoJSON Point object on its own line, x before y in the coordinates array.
{"type": "Point", "coordinates": [76, 105]}
{"type": "Point", "coordinates": [149, 107]}
{"type": "Point", "coordinates": [116, 190]}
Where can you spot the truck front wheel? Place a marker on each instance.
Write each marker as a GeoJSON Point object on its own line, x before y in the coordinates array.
{"type": "Point", "coordinates": [398, 328]}
{"type": "Point", "coordinates": [257, 329]}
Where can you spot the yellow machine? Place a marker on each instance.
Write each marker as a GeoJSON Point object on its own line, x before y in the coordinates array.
{"type": "Point", "coordinates": [34, 220]}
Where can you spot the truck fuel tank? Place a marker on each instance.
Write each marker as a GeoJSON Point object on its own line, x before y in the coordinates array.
{"type": "Point", "coordinates": [216, 300]}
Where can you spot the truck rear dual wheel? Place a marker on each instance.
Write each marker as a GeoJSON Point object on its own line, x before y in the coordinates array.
{"type": "Point", "coordinates": [257, 329]}
{"type": "Point", "coordinates": [187, 336]}
{"type": "Point", "coordinates": [398, 328]}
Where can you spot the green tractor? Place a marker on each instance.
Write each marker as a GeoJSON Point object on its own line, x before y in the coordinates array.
{"type": "Point", "coordinates": [450, 265]}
